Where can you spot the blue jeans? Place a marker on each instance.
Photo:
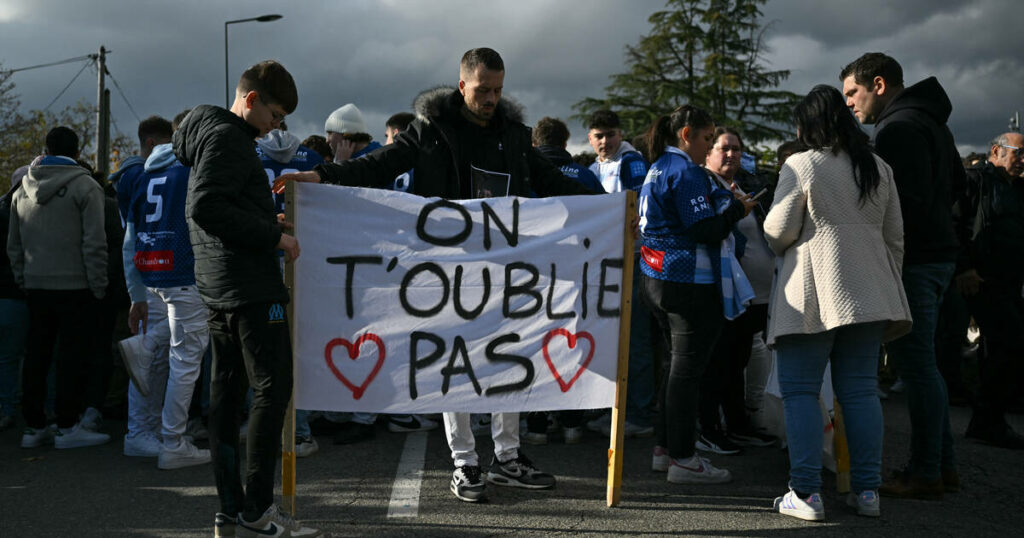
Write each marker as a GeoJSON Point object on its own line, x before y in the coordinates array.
{"type": "Point", "coordinates": [854, 355]}
{"type": "Point", "coordinates": [913, 355]}
{"type": "Point", "coordinates": [14, 327]}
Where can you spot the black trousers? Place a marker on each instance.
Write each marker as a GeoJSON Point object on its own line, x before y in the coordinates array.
{"type": "Point", "coordinates": [64, 316]}
{"type": "Point", "coordinates": [250, 341]}
{"type": "Point", "coordinates": [690, 315]}
{"type": "Point", "coordinates": [723, 385]}
{"type": "Point", "coordinates": [999, 310]}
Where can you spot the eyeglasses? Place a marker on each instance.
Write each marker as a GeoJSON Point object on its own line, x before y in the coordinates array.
{"type": "Point", "coordinates": [727, 149]}
{"type": "Point", "coordinates": [1017, 152]}
{"type": "Point", "coordinates": [278, 118]}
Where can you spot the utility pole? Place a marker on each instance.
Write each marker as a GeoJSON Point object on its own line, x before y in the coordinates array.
{"type": "Point", "coordinates": [102, 116]}
{"type": "Point", "coordinates": [1015, 122]}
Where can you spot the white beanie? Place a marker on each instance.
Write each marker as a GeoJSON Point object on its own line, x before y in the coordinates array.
{"type": "Point", "coordinates": [347, 119]}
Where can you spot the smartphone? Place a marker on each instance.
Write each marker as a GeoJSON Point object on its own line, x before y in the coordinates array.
{"type": "Point", "coordinates": [759, 194]}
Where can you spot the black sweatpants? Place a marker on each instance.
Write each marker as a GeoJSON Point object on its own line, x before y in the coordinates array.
{"type": "Point", "coordinates": [251, 340]}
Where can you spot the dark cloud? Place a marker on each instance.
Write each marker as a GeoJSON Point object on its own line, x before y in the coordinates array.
{"type": "Point", "coordinates": [380, 54]}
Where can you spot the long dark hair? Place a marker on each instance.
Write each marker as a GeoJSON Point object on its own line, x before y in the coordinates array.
{"type": "Point", "coordinates": [663, 131]}
{"type": "Point", "coordinates": [824, 121]}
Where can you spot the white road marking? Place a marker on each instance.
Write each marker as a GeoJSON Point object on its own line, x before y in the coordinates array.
{"type": "Point", "coordinates": [405, 493]}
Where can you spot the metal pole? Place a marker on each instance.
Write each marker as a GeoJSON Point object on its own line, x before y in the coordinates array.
{"type": "Point", "coordinates": [102, 115]}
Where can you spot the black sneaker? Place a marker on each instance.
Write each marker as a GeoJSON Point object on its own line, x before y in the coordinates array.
{"type": "Point", "coordinates": [467, 485]}
{"type": "Point", "coordinates": [519, 473]}
{"type": "Point", "coordinates": [748, 436]}
{"type": "Point", "coordinates": [715, 441]}
{"type": "Point", "coordinates": [223, 525]}
{"type": "Point", "coordinates": [353, 432]}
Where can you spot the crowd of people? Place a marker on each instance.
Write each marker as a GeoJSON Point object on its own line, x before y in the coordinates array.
{"type": "Point", "coordinates": [861, 248]}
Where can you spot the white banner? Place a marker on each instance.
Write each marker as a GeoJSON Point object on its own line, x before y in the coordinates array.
{"type": "Point", "coordinates": [406, 304]}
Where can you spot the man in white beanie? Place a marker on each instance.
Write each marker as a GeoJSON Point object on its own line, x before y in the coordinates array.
{"type": "Point", "coordinates": [346, 134]}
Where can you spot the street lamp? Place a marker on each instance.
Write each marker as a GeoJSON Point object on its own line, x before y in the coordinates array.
{"type": "Point", "coordinates": [227, 85]}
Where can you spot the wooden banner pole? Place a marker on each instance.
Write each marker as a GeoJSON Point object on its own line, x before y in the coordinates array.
{"type": "Point", "coordinates": [288, 431]}
{"type": "Point", "coordinates": [625, 309]}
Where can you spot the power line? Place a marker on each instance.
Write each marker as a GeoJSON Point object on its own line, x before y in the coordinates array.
{"type": "Point", "coordinates": [61, 62]}
{"type": "Point", "coordinates": [84, 65]}
{"type": "Point", "coordinates": [123, 96]}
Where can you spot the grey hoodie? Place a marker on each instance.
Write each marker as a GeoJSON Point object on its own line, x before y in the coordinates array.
{"type": "Point", "coordinates": [279, 145]}
{"type": "Point", "coordinates": [56, 239]}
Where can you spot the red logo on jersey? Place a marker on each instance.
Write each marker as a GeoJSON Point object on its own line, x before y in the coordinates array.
{"type": "Point", "coordinates": [653, 258]}
{"type": "Point", "coordinates": [154, 260]}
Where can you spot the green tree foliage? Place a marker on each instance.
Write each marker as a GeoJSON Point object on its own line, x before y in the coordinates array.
{"type": "Point", "coordinates": [23, 134]}
{"type": "Point", "coordinates": [708, 53]}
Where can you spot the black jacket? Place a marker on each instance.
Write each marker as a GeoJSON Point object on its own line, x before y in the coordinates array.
{"type": "Point", "coordinates": [990, 218]}
{"type": "Point", "coordinates": [428, 147]}
{"type": "Point", "coordinates": [912, 137]}
{"type": "Point", "coordinates": [230, 211]}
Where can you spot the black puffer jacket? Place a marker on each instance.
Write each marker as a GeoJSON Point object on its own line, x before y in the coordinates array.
{"type": "Point", "coordinates": [427, 146]}
{"type": "Point", "coordinates": [230, 211]}
{"type": "Point", "coordinates": [991, 219]}
{"type": "Point", "coordinates": [912, 137]}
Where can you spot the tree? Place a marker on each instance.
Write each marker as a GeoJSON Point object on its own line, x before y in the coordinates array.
{"type": "Point", "coordinates": [23, 135]}
{"type": "Point", "coordinates": [708, 53]}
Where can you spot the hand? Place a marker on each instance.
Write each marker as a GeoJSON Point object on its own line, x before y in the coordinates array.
{"type": "Point", "coordinates": [343, 150]}
{"type": "Point", "coordinates": [290, 246]}
{"type": "Point", "coordinates": [749, 203]}
{"type": "Point", "coordinates": [305, 177]}
{"type": "Point", "coordinates": [139, 312]}
{"type": "Point", "coordinates": [285, 225]}
{"type": "Point", "coordinates": [969, 282]}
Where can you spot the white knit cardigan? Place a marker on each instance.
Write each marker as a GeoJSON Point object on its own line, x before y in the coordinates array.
{"type": "Point", "coordinates": [839, 261]}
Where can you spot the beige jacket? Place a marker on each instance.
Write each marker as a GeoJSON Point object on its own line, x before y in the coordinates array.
{"type": "Point", "coordinates": [839, 263]}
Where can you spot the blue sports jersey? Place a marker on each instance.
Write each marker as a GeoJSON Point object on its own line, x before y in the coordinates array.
{"type": "Point", "coordinates": [155, 205]}
{"type": "Point", "coordinates": [582, 175]}
{"type": "Point", "coordinates": [303, 161]}
{"type": "Point", "coordinates": [676, 194]}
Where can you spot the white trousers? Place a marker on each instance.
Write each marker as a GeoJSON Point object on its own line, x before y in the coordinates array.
{"type": "Point", "coordinates": [176, 337]}
{"type": "Point", "coordinates": [504, 433]}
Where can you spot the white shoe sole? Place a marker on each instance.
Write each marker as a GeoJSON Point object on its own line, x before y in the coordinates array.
{"type": "Point", "coordinates": [455, 491]}
{"type": "Point", "coordinates": [181, 463]}
{"type": "Point", "coordinates": [502, 480]}
{"type": "Point", "coordinates": [800, 514]}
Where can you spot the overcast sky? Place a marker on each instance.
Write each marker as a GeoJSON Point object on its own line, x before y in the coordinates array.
{"type": "Point", "coordinates": [169, 55]}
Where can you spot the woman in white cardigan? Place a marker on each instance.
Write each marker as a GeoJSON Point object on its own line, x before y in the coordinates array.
{"type": "Point", "coordinates": [837, 230]}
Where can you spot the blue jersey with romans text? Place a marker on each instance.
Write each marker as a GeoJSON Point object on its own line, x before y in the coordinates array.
{"type": "Point", "coordinates": [154, 202]}
{"type": "Point", "coordinates": [676, 194]}
{"type": "Point", "coordinates": [303, 161]}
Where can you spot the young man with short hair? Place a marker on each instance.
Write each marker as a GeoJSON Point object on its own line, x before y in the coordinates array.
{"type": "Point", "coordinates": [235, 238]}
{"type": "Point", "coordinates": [912, 137]}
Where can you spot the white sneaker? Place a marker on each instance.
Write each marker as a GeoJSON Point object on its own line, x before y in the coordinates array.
{"type": "Point", "coordinates": [867, 503]}
{"type": "Point", "coordinates": [809, 509]}
{"type": "Point", "coordinates": [136, 361]}
{"type": "Point", "coordinates": [305, 447]}
{"type": "Point", "coordinates": [78, 437]}
{"type": "Point", "coordinates": [274, 522]}
{"type": "Point", "coordinates": [92, 419]}
{"type": "Point", "coordinates": [660, 460]}
{"type": "Point", "coordinates": [184, 455]}
{"type": "Point", "coordinates": [573, 436]}
{"type": "Point", "coordinates": [143, 445]}
{"type": "Point", "coordinates": [35, 438]}
{"type": "Point", "coordinates": [696, 470]}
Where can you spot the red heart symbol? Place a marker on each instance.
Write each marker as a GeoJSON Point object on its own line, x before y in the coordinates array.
{"type": "Point", "coordinates": [572, 344]}
{"type": "Point", "coordinates": [353, 353]}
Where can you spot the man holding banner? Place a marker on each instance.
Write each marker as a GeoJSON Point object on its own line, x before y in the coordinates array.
{"type": "Point", "coordinates": [466, 143]}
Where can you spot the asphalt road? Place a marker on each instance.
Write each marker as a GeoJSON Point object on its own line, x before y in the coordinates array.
{"type": "Point", "coordinates": [345, 491]}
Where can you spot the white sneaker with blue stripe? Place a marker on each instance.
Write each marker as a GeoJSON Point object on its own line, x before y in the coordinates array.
{"type": "Point", "coordinates": [866, 503]}
{"type": "Point", "coordinates": [809, 509]}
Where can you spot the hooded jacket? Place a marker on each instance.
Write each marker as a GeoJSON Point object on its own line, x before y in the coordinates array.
{"type": "Point", "coordinates": [563, 160]}
{"type": "Point", "coordinates": [429, 147]}
{"type": "Point", "coordinates": [56, 239]}
{"type": "Point", "coordinates": [281, 153]}
{"type": "Point", "coordinates": [230, 211]}
{"type": "Point", "coordinates": [912, 137]}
